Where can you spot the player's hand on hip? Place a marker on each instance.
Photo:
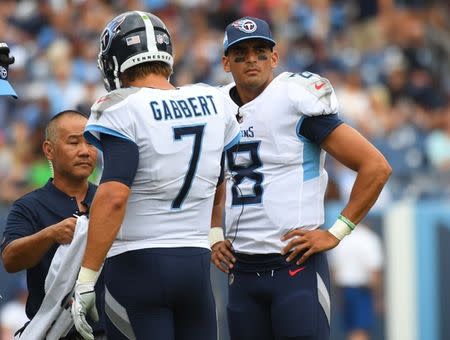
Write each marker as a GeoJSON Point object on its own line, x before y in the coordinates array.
{"type": "Point", "coordinates": [222, 255]}
{"type": "Point", "coordinates": [63, 231]}
{"type": "Point", "coordinates": [307, 242]}
{"type": "Point", "coordinates": [84, 304]}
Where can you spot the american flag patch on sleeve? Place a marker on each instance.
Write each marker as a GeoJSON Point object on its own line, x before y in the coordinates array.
{"type": "Point", "coordinates": [133, 40]}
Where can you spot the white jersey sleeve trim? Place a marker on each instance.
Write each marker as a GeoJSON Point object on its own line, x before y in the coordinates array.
{"type": "Point", "coordinates": [92, 134]}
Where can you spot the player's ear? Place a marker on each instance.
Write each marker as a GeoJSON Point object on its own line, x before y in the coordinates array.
{"type": "Point", "coordinates": [47, 148]}
{"type": "Point", "coordinates": [226, 63]}
{"type": "Point", "coordinates": [274, 59]}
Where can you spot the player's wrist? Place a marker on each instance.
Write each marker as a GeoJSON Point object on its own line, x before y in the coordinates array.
{"type": "Point", "coordinates": [215, 235]}
{"type": "Point", "coordinates": [342, 227]}
{"type": "Point", "coordinates": [52, 233]}
{"type": "Point", "coordinates": [349, 223]}
{"type": "Point", "coordinates": [87, 276]}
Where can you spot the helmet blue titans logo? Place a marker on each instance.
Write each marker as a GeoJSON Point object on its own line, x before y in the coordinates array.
{"type": "Point", "coordinates": [109, 33]}
{"type": "Point", "coordinates": [3, 73]}
{"type": "Point", "coordinates": [245, 25]}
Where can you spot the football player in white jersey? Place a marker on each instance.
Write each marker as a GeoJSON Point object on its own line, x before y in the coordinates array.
{"type": "Point", "coordinates": [162, 149]}
{"type": "Point", "coordinates": [274, 247]}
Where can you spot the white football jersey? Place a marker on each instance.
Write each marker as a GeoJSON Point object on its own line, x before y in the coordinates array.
{"type": "Point", "coordinates": [275, 178]}
{"type": "Point", "coordinates": [181, 135]}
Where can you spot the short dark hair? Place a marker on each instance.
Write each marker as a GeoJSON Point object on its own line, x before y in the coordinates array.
{"type": "Point", "coordinates": [50, 128]}
{"type": "Point", "coordinates": [144, 69]}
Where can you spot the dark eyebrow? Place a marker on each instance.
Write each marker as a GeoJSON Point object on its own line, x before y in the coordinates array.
{"type": "Point", "coordinates": [259, 45]}
{"type": "Point", "coordinates": [238, 48]}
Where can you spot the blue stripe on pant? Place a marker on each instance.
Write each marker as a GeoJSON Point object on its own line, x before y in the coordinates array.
{"type": "Point", "coordinates": [287, 303]}
{"type": "Point", "coordinates": [160, 294]}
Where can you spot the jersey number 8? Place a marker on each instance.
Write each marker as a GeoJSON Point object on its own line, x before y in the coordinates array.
{"type": "Point", "coordinates": [247, 171]}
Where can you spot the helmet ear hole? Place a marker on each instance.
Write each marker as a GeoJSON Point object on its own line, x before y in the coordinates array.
{"type": "Point", "coordinates": [130, 39]}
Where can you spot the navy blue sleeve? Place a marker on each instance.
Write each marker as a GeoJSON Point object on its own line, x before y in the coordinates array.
{"type": "Point", "coordinates": [317, 128]}
{"type": "Point", "coordinates": [19, 223]}
{"type": "Point", "coordinates": [222, 170]}
{"type": "Point", "coordinates": [120, 159]}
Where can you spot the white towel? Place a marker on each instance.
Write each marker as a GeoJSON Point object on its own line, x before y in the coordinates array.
{"type": "Point", "coordinates": [53, 319]}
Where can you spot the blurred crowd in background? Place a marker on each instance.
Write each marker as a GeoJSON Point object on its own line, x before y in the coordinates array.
{"type": "Point", "coordinates": [389, 62]}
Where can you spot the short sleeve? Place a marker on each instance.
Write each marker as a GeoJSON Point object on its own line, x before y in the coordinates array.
{"type": "Point", "coordinates": [110, 115]}
{"type": "Point", "coordinates": [19, 223]}
{"type": "Point", "coordinates": [317, 128]}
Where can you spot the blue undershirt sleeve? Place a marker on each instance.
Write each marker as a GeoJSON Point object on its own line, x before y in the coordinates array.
{"type": "Point", "coordinates": [222, 170]}
{"type": "Point", "coordinates": [317, 128]}
{"type": "Point", "coordinates": [120, 159]}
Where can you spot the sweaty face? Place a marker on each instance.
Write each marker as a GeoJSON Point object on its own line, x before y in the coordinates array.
{"type": "Point", "coordinates": [251, 63]}
{"type": "Point", "coordinates": [71, 155]}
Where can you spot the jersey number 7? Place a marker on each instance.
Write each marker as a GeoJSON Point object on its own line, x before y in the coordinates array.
{"type": "Point", "coordinates": [178, 133]}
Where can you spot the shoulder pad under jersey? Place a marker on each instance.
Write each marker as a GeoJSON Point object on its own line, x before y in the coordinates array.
{"type": "Point", "coordinates": [226, 88]}
{"type": "Point", "coordinates": [111, 99]}
{"type": "Point", "coordinates": [202, 84]}
{"type": "Point", "coordinates": [318, 86]}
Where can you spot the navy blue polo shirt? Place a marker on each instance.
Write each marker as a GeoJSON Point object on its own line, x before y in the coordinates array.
{"type": "Point", "coordinates": [32, 213]}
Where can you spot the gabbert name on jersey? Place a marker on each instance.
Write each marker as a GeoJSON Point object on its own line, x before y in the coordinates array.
{"type": "Point", "coordinates": [177, 109]}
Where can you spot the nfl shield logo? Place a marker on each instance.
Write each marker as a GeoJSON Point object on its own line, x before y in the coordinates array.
{"type": "Point", "coordinates": [3, 73]}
